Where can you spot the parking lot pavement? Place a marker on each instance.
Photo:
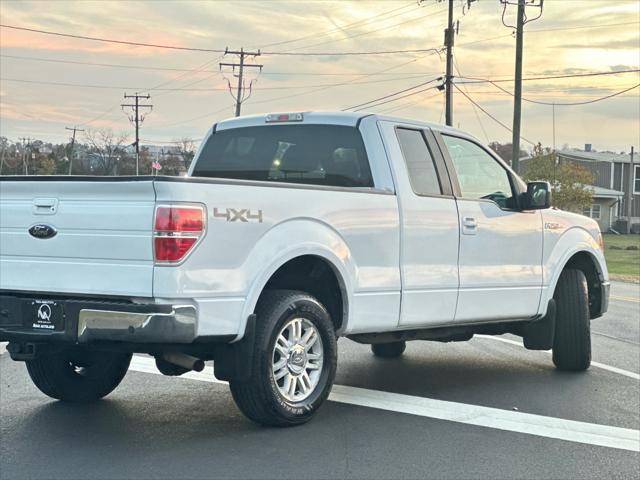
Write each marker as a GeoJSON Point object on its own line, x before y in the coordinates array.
{"type": "Point", "coordinates": [160, 427]}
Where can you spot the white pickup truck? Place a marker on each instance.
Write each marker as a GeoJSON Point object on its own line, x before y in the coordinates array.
{"type": "Point", "coordinates": [290, 230]}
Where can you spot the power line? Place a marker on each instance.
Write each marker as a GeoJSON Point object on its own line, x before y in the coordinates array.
{"type": "Point", "coordinates": [559, 104]}
{"type": "Point", "coordinates": [395, 99]}
{"type": "Point", "coordinates": [341, 28]}
{"type": "Point", "coordinates": [199, 69]}
{"type": "Point", "coordinates": [110, 40]}
{"type": "Point", "coordinates": [211, 89]}
{"type": "Point", "coordinates": [407, 104]}
{"type": "Point", "coordinates": [111, 65]}
{"type": "Point", "coordinates": [210, 50]}
{"type": "Point", "coordinates": [581, 27]}
{"type": "Point", "coordinates": [356, 107]}
{"type": "Point", "coordinates": [360, 34]}
{"type": "Point", "coordinates": [547, 77]}
{"type": "Point", "coordinates": [308, 92]}
{"type": "Point", "coordinates": [475, 111]}
{"type": "Point", "coordinates": [542, 30]}
{"type": "Point", "coordinates": [488, 114]}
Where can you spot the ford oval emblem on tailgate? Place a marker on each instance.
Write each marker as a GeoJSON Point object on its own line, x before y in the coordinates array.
{"type": "Point", "coordinates": [42, 231]}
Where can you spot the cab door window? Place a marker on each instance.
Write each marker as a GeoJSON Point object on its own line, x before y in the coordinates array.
{"type": "Point", "coordinates": [479, 174]}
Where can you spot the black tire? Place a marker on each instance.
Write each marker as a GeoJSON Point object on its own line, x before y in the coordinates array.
{"type": "Point", "coordinates": [78, 375]}
{"type": "Point", "coordinates": [388, 350]}
{"type": "Point", "coordinates": [259, 398]}
{"type": "Point", "coordinates": [572, 339]}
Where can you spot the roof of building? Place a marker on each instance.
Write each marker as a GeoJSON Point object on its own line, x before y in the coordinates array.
{"type": "Point", "coordinates": [596, 156]}
{"type": "Point", "coordinates": [600, 192]}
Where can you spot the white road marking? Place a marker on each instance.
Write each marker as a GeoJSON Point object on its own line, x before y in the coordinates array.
{"type": "Point", "coordinates": [603, 366]}
{"type": "Point", "coordinates": [550, 427]}
{"type": "Point", "coordinates": [3, 347]}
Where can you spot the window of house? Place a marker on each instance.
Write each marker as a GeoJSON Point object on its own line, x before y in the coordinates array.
{"type": "Point", "coordinates": [422, 170]}
{"type": "Point", "coordinates": [593, 211]}
{"type": "Point", "coordinates": [636, 179]}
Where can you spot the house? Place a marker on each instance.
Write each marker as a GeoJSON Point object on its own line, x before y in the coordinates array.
{"type": "Point", "coordinates": [610, 186]}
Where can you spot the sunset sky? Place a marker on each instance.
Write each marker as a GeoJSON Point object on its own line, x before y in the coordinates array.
{"type": "Point", "coordinates": [50, 82]}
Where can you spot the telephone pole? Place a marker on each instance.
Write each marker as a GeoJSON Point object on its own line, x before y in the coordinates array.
{"type": "Point", "coordinates": [137, 119]}
{"type": "Point", "coordinates": [517, 90]}
{"type": "Point", "coordinates": [73, 142]}
{"type": "Point", "coordinates": [629, 196]}
{"type": "Point", "coordinates": [449, 36]}
{"type": "Point", "coordinates": [521, 21]}
{"type": "Point", "coordinates": [25, 161]}
{"type": "Point", "coordinates": [240, 95]}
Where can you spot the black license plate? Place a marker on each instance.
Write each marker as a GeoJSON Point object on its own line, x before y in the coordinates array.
{"type": "Point", "coordinates": [44, 315]}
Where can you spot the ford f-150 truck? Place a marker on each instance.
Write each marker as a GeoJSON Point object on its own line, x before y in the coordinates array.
{"type": "Point", "coordinates": [290, 231]}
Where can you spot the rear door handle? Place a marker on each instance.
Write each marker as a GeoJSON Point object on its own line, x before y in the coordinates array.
{"type": "Point", "coordinates": [469, 226]}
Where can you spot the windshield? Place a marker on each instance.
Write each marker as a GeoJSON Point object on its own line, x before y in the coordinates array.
{"type": "Point", "coordinates": [330, 155]}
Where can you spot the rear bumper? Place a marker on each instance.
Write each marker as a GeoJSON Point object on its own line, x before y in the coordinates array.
{"type": "Point", "coordinates": [49, 319]}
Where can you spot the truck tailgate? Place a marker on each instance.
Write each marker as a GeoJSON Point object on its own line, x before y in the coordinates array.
{"type": "Point", "coordinates": [102, 242]}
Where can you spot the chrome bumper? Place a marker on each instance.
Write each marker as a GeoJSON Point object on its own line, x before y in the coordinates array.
{"type": "Point", "coordinates": [175, 326]}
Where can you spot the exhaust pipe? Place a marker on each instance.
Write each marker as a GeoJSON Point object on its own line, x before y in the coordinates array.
{"type": "Point", "coordinates": [185, 361]}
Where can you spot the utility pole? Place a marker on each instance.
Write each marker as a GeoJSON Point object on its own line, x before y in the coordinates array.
{"type": "Point", "coordinates": [73, 142]}
{"type": "Point", "coordinates": [240, 95]}
{"type": "Point", "coordinates": [521, 20]}
{"type": "Point", "coordinates": [4, 150]}
{"type": "Point", "coordinates": [25, 142]}
{"type": "Point", "coordinates": [517, 89]}
{"type": "Point", "coordinates": [629, 199]}
{"type": "Point", "coordinates": [137, 119]}
{"type": "Point", "coordinates": [449, 36]}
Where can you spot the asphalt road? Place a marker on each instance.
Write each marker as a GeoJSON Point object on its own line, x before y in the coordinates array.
{"type": "Point", "coordinates": [481, 409]}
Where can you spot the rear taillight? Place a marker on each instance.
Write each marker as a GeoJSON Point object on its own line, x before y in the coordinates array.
{"type": "Point", "coordinates": [177, 228]}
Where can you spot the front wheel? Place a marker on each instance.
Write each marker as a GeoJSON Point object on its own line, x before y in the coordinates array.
{"type": "Point", "coordinates": [572, 339]}
{"type": "Point", "coordinates": [295, 356]}
{"type": "Point", "coordinates": [78, 375]}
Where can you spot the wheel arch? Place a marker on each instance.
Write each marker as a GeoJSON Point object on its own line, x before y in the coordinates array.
{"type": "Point", "coordinates": [295, 248]}
{"type": "Point", "coordinates": [587, 261]}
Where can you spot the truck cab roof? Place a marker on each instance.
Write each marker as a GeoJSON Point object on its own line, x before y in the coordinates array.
{"type": "Point", "coordinates": [350, 119]}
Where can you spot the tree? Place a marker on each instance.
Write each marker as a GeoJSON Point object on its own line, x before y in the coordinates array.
{"type": "Point", "coordinates": [568, 180]}
{"type": "Point", "coordinates": [105, 149]}
{"type": "Point", "coordinates": [186, 149]}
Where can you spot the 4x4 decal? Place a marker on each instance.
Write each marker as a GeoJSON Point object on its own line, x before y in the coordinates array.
{"type": "Point", "coordinates": [237, 214]}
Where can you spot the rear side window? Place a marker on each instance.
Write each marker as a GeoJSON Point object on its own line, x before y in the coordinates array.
{"type": "Point", "coordinates": [329, 155]}
{"type": "Point", "coordinates": [422, 170]}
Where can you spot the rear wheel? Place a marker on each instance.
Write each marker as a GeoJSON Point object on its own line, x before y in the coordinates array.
{"type": "Point", "coordinates": [388, 350]}
{"type": "Point", "coordinates": [78, 375]}
{"type": "Point", "coordinates": [294, 360]}
{"type": "Point", "coordinates": [572, 339]}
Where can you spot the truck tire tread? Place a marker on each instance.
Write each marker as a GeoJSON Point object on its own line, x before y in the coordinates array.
{"type": "Point", "coordinates": [572, 340]}
{"type": "Point", "coordinates": [54, 377]}
{"type": "Point", "coordinates": [255, 397]}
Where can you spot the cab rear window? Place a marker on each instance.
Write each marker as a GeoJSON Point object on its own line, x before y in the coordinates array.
{"type": "Point", "coordinates": [330, 155]}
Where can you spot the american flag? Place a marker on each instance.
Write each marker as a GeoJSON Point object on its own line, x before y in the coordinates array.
{"type": "Point", "coordinates": [156, 165]}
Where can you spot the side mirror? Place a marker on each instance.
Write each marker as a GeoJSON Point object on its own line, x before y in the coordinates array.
{"type": "Point", "coordinates": [538, 196]}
